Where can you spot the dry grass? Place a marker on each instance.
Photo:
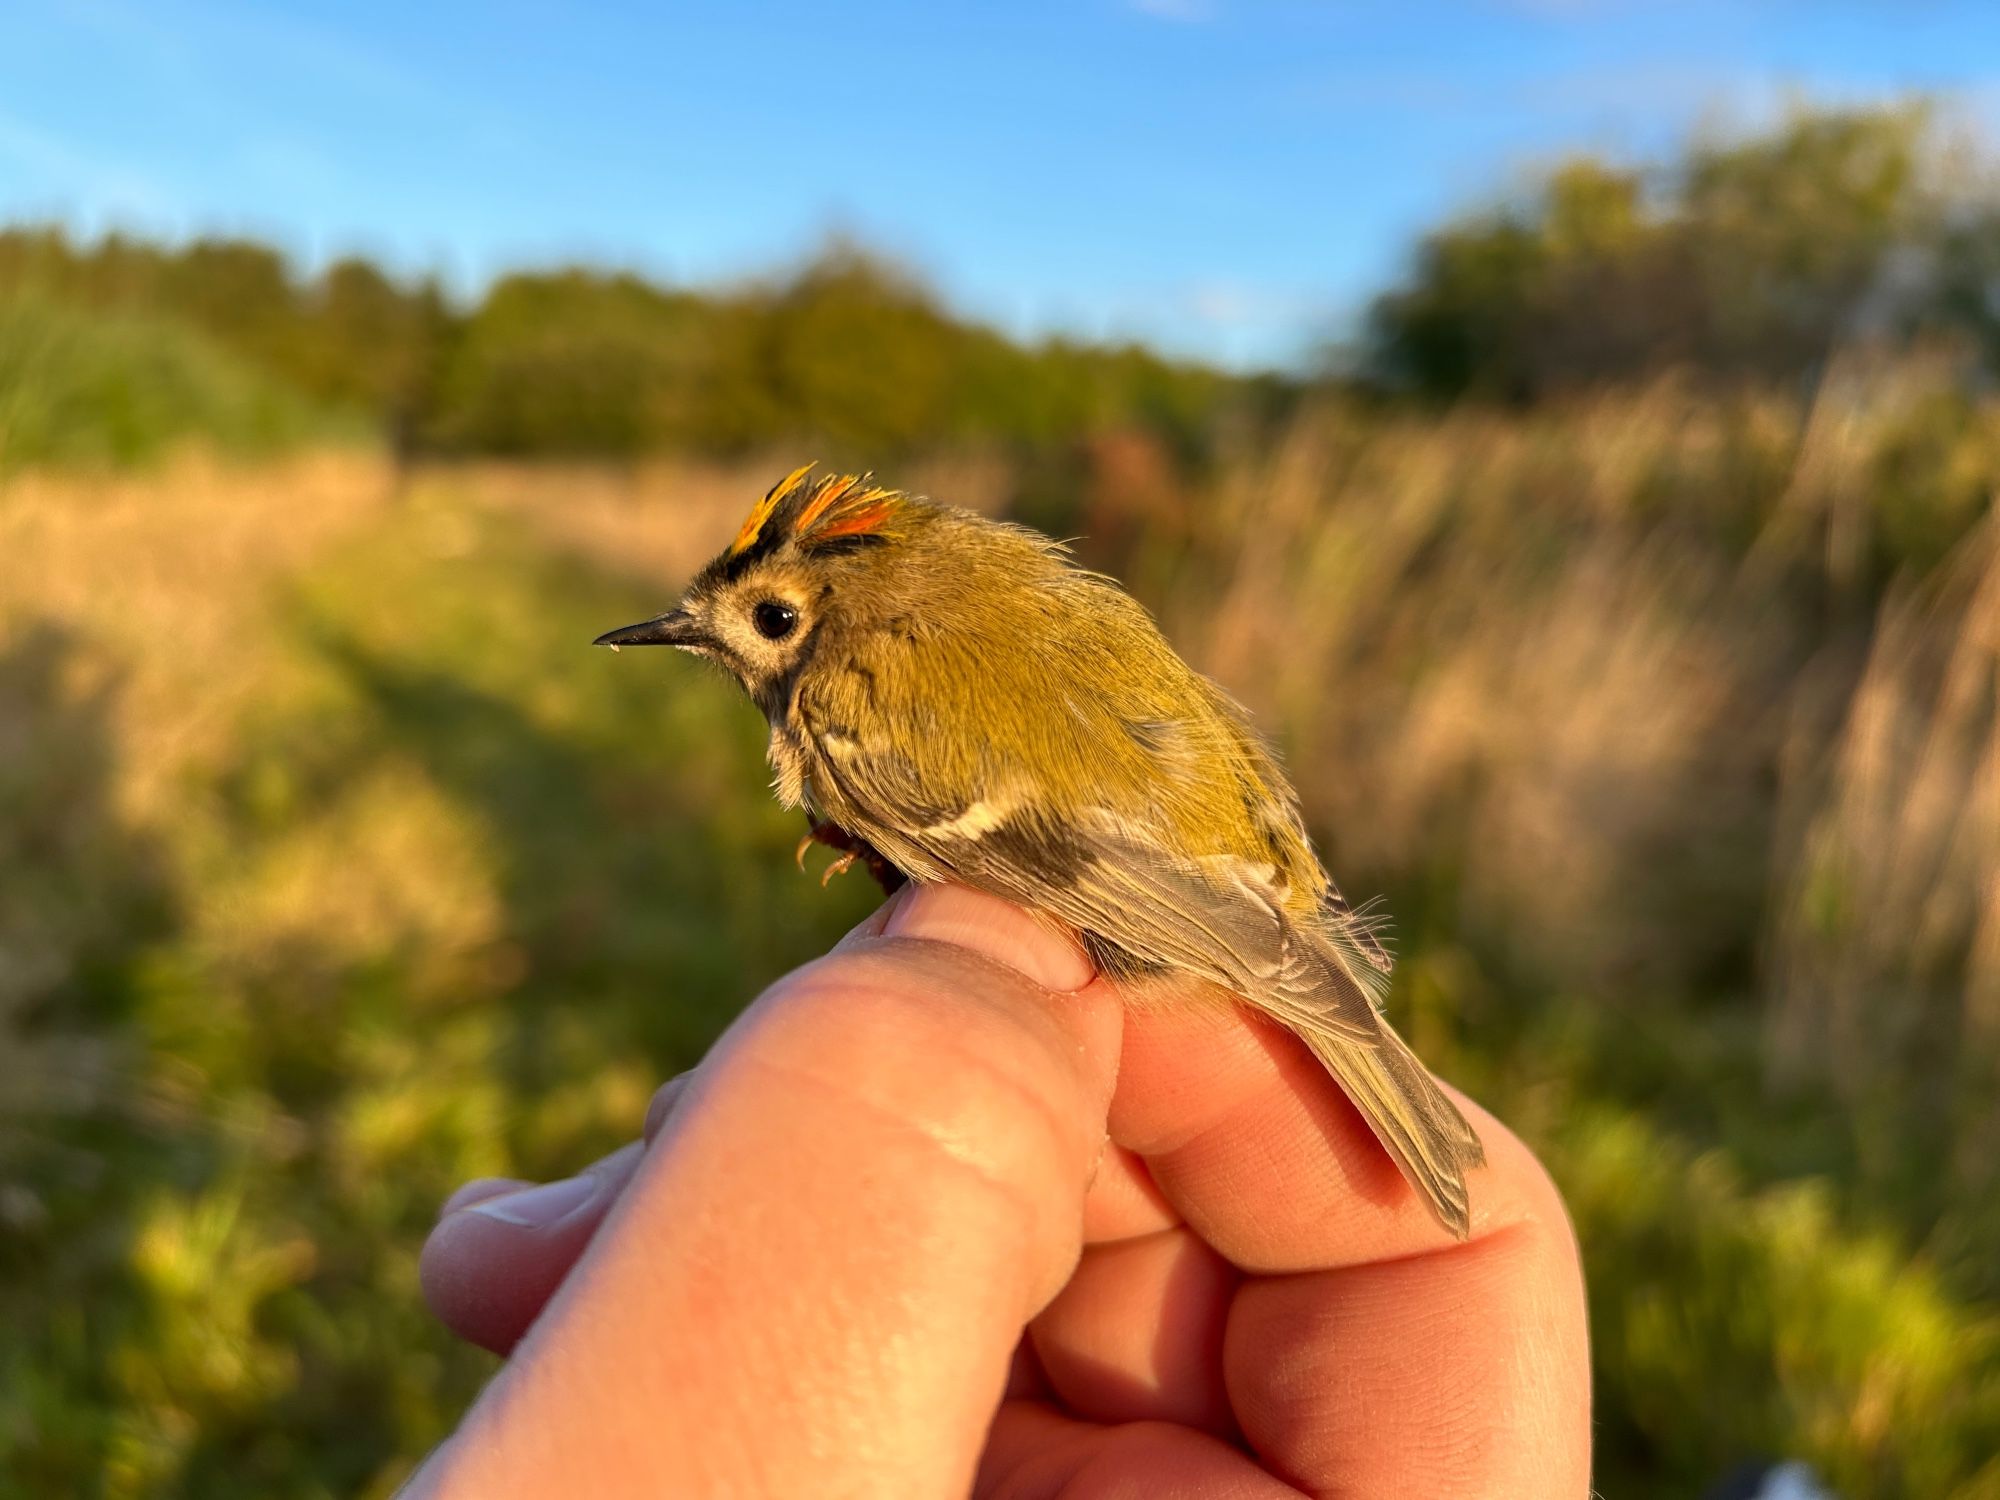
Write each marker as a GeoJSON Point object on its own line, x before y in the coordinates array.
{"type": "Point", "coordinates": [663, 520]}
{"type": "Point", "coordinates": [161, 583]}
{"type": "Point", "coordinates": [1673, 746]}
{"type": "Point", "coordinates": [1886, 941]}
{"type": "Point", "coordinates": [134, 625]}
{"type": "Point", "coordinates": [1672, 728]}
{"type": "Point", "coordinates": [1499, 642]}
{"type": "Point", "coordinates": [1487, 658]}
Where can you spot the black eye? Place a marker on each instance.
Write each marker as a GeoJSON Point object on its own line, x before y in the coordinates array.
{"type": "Point", "coordinates": [774, 621]}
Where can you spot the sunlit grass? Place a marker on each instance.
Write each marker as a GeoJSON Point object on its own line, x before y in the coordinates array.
{"type": "Point", "coordinates": [337, 869]}
{"type": "Point", "coordinates": [439, 892]}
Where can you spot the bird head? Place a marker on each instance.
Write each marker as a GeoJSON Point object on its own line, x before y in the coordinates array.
{"type": "Point", "coordinates": [759, 608]}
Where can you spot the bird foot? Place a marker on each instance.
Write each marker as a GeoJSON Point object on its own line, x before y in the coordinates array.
{"type": "Point", "coordinates": [852, 850]}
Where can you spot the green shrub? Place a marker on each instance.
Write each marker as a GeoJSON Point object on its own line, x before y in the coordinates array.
{"type": "Point", "coordinates": [88, 388]}
{"type": "Point", "coordinates": [1729, 1324]}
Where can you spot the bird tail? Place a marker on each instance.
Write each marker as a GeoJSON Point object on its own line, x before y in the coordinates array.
{"type": "Point", "coordinates": [1227, 922]}
{"type": "Point", "coordinates": [1415, 1120]}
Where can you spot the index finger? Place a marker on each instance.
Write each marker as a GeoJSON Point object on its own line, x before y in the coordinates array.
{"type": "Point", "coordinates": [1368, 1352]}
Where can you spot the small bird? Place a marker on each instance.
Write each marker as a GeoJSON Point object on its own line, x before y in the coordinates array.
{"type": "Point", "coordinates": [952, 698]}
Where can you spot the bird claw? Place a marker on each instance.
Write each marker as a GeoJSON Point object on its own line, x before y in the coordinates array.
{"type": "Point", "coordinates": [851, 849]}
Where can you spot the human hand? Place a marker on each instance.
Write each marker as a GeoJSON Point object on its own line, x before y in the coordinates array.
{"type": "Point", "coordinates": [878, 1244]}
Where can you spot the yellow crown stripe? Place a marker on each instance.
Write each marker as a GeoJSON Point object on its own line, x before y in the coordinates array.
{"type": "Point", "coordinates": [760, 514]}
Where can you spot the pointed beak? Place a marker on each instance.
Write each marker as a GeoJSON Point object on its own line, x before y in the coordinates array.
{"type": "Point", "coordinates": [674, 628]}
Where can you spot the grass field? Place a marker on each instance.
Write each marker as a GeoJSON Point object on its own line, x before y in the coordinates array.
{"type": "Point", "coordinates": [335, 869]}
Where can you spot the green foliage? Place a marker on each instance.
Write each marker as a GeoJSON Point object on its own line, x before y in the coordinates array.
{"type": "Point", "coordinates": [853, 353]}
{"type": "Point", "coordinates": [847, 355]}
{"type": "Point", "coordinates": [1930, 477]}
{"type": "Point", "coordinates": [1722, 1318]}
{"type": "Point", "coordinates": [376, 345]}
{"type": "Point", "coordinates": [572, 362]}
{"type": "Point", "coordinates": [78, 389]}
{"type": "Point", "coordinates": [1752, 259]}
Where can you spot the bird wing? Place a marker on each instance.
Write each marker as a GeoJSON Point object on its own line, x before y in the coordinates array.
{"type": "Point", "coordinates": [1218, 918]}
{"type": "Point", "coordinates": [1160, 863]}
{"type": "Point", "coordinates": [1123, 862]}
{"type": "Point", "coordinates": [1364, 927]}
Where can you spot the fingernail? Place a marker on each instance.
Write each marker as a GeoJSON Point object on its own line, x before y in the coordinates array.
{"type": "Point", "coordinates": [999, 930]}
{"type": "Point", "coordinates": [665, 1098]}
{"type": "Point", "coordinates": [538, 1207]}
{"type": "Point", "coordinates": [876, 922]}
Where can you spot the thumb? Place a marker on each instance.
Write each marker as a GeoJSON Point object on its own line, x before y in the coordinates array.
{"type": "Point", "coordinates": [820, 1272]}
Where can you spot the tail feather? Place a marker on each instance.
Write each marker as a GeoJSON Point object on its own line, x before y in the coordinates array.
{"type": "Point", "coordinates": [1226, 921]}
{"type": "Point", "coordinates": [1412, 1117]}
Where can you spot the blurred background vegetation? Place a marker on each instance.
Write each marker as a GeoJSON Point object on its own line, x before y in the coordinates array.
{"type": "Point", "coordinates": [1626, 600]}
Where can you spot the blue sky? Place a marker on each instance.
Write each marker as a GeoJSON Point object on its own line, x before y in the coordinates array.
{"type": "Point", "coordinates": [1229, 178]}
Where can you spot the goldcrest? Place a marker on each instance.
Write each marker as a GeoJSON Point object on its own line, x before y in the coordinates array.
{"type": "Point", "coordinates": [952, 694]}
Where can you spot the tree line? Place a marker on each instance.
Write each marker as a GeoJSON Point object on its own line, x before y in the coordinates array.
{"type": "Point", "coordinates": [1744, 260]}
{"type": "Point", "coordinates": [848, 351]}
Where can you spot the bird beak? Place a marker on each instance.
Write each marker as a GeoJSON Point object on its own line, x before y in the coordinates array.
{"type": "Point", "coordinates": [674, 628]}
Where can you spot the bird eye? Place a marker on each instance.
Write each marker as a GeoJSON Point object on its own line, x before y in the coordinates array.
{"type": "Point", "coordinates": [774, 621]}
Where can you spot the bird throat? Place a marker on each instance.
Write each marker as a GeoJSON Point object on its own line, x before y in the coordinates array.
{"type": "Point", "coordinates": [789, 760]}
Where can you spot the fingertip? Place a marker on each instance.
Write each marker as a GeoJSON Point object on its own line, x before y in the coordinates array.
{"type": "Point", "coordinates": [478, 1190]}
{"type": "Point", "coordinates": [1512, 1189]}
{"type": "Point", "coordinates": [871, 925]}
{"type": "Point", "coordinates": [665, 1098]}
{"type": "Point", "coordinates": [1191, 1056]}
{"type": "Point", "coordinates": [994, 928]}
{"type": "Point", "coordinates": [1250, 1139]}
{"type": "Point", "coordinates": [896, 1139]}
{"type": "Point", "coordinates": [1462, 1372]}
{"type": "Point", "coordinates": [467, 1292]}
{"type": "Point", "coordinates": [947, 1045]}
{"type": "Point", "coordinates": [503, 1247]}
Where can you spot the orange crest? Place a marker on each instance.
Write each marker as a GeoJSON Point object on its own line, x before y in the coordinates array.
{"type": "Point", "coordinates": [822, 510]}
